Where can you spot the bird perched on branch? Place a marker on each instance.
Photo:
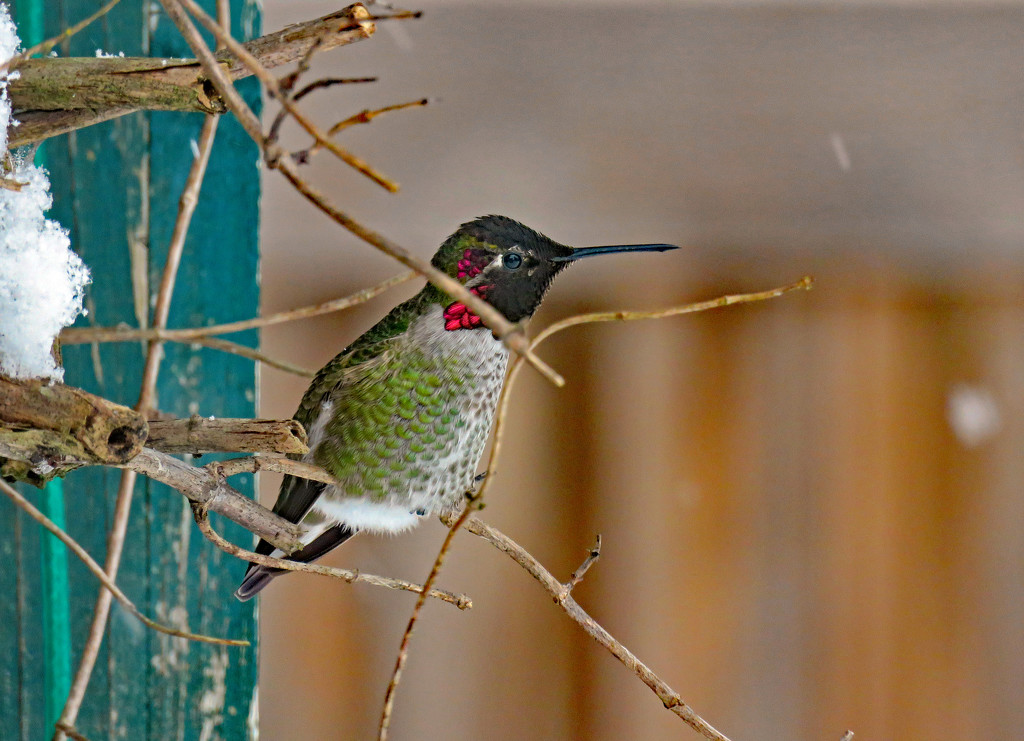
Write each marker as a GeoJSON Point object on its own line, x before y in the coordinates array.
{"type": "Point", "coordinates": [401, 416]}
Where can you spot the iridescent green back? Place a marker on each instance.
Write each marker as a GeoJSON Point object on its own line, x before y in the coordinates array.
{"type": "Point", "coordinates": [402, 416]}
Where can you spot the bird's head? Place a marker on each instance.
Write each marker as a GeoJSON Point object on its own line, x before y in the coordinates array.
{"type": "Point", "coordinates": [509, 265]}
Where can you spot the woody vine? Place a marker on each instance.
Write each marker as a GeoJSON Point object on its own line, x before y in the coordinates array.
{"type": "Point", "coordinates": [48, 430]}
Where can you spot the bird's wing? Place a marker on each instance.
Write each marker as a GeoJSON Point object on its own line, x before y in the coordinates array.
{"type": "Point", "coordinates": [298, 495]}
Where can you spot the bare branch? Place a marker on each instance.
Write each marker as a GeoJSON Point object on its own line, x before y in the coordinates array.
{"type": "Point", "coordinates": [273, 87]}
{"type": "Point", "coordinates": [101, 611]}
{"type": "Point", "coordinates": [325, 82]}
{"type": "Point", "coordinates": [403, 649]}
{"type": "Point", "coordinates": [198, 435]}
{"type": "Point", "coordinates": [69, 731]}
{"type": "Point", "coordinates": [461, 601]}
{"type": "Point", "coordinates": [363, 117]}
{"type": "Point", "coordinates": [204, 487]}
{"type": "Point", "coordinates": [294, 42]}
{"type": "Point", "coordinates": [255, 463]}
{"type": "Point", "coordinates": [805, 284]}
{"type": "Point", "coordinates": [56, 95]}
{"type": "Point", "coordinates": [186, 207]}
{"type": "Point", "coordinates": [235, 348]}
{"type": "Point", "coordinates": [669, 697]}
{"type": "Point", "coordinates": [73, 336]}
{"type": "Point", "coordinates": [499, 421]}
{"type": "Point", "coordinates": [100, 574]}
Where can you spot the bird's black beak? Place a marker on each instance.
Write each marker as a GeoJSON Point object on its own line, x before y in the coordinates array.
{"type": "Point", "coordinates": [579, 252]}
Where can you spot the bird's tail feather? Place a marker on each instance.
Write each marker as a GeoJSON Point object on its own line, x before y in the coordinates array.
{"type": "Point", "coordinates": [258, 576]}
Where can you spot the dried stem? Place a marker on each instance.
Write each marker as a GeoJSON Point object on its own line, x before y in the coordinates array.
{"type": "Point", "coordinates": [462, 601]}
{"type": "Point", "coordinates": [101, 611]}
{"type": "Point", "coordinates": [274, 90]}
{"type": "Point", "coordinates": [234, 348]}
{"type": "Point", "coordinates": [805, 283]}
{"type": "Point", "coordinates": [560, 593]}
{"type": "Point", "coordinates": [403, 649]}
{"type": "Point", "coordinates": [363, 117]}
{"type": "Point", "coordinates": [325, 82]}
{"type": "Point", "coordinates": [277, 464]}
{"type": "Point", "coordinates": [203, 486]}
{"type": "Point", "coordinates": [124, 334]}
{"type": "Point", "coordinates": [76, 548]}
{"type": "Point", "coordinates": [578, 574]}
{"type": "Point", "coordinates": [186, 207]}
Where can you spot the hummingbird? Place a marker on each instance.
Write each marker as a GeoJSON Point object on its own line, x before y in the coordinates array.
{"type": "Point", "coordinates": [401, 416]}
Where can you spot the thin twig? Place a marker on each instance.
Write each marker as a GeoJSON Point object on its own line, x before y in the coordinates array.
{"type": "Point", "coordinates": [274, 90]}
{"type": "Point", "coordinates": [76, 548]}
{"type": "Point", "coordinates": [578, 574]}
{"type": "Point", "coordinates": [669, 697]}
{"type": "Point", "coordinates": [403, 649]}
{"type": "Point", "coordinates": [186, 207]}
{"type": "Point", "coordinates": [288, 81]}
{"type": "Point", "coordinates": [275, 463]}
{"type": "Point", "coordinates": [462, 601]}
{"type": "Point", "coordinates": [511, 334]}
{"type": "Point", "coordinates": [44, 46]}
{"type": "Point", "coordinates": [806, 283]}
{"type": "Point", "coordinates": [73, 336]}
{"type": "Point", "coordinates": [399, 15]}
{"type": "Point", "coordinates": [234, 348]}
{"type": "Point", "coordinates": [330, 82]}
{"type": "Point", "coordinates": [70, 731]}
{"type": "Point", "coordinates": [199, 485]}
{"type": "Point", "coordinates": [363, 117]}
{"type": "Point", "coordinates": [101, 610]}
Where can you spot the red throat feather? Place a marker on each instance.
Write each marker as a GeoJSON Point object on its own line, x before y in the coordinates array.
{"type": "Point", "coordinates": [457, 316]}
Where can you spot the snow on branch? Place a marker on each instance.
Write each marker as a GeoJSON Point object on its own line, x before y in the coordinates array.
{"type": "Point", "coordinates": [41, 280]}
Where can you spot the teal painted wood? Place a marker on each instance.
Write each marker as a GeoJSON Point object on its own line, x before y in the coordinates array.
{"type": "Point", "coordinates": [56, 605]}
{"type": "Point", "coordinates": [116, 185]}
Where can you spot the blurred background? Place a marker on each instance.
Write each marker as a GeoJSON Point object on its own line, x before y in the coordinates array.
{"type": "Point", "coordinates": [811, 508]}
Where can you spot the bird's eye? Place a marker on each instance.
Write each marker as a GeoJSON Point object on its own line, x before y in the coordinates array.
{"type": "Point", "coordinates": [512, 260]}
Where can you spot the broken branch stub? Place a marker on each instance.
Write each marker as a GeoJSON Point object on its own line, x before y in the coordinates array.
{"type": "Point", "coordinates": [53, 428]}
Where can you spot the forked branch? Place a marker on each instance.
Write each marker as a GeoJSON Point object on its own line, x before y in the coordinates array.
{"type": "Point", "coordinates": [54, 95]}
{"type": "Point", "coordinates": [561, 594]}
